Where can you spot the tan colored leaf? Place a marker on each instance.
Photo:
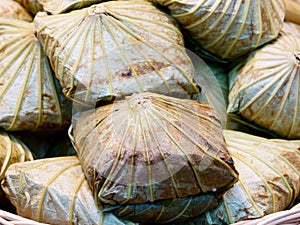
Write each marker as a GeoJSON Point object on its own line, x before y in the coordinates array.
{"type": "Point", "coordinates": [54, 191]}
{"type": "Point", "coordinates": [12, 10]}
{"type": "Point", "coordinates": [12, 150]}
{"type": "Point", "coordinates": [269, 179]}
{"type": "Point", "coordinates": [114, 49]}
{"type": "Point", "coordinates": [152, 147]}
{"type": "Point", "coordinates": [293, 28]}
{"type": "Point", "coordinates": [265, 89]}
{"type": "Point", "coordinates": [229, 28]}
{"type": "Point", "coordinates": [30, 98]}
{"type": "Point", "coordinates": [61, 6]}
{"type": "Point", "coordinates": [32, 6]}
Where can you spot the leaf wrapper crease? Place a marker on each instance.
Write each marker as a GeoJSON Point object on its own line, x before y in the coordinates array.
{"type": "Point", "coordinates": [54, 191]}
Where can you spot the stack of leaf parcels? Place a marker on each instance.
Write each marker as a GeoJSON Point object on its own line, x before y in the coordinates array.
{"type": "Point", "coordinates": [147, 151]}
{"type": "Point", "coordinates": [148, 148]}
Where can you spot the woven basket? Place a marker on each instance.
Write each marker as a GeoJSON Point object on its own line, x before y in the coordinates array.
{"type": "Point", "coordinates": [286, 217]}
{"type": "Point", "coordinates": [7, 218]}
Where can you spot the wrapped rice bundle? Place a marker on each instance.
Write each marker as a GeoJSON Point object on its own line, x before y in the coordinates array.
{"type": "Point", "coordinates": [32, 6]}
{"type": "Point", "coordinates": [60, 6]}
{"type": "Point", "coordinates": [12, 10]}
{"type": "Point", "coordinates": [151, 147]}
{"type": "Point", "coordinates": [269, 179]}
{"type": "Point", "coordinates": [12, 150]}
{"type": "Point", "coordinates": [54, 191]}
{"type": "Point", "coordinates": [229, 28]}
{"type": "Point", "coordinates": [30, 98]}
{"type": "Point", "coordinates": [292, 11]}
{"type": "Point", "coordinates": [293, 28]}
{"type": "Point", "coordinates": [265, 89]}
{"type": "Point", "coordinates": [114, 49]}
{"type": "Point", "coordinates": [234, 121]}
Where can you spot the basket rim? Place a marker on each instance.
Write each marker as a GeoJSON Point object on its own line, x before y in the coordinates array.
{"type": "Point", "coordinates": [288, 217]}
{"type": "Point", "coordinates": [7, 218]}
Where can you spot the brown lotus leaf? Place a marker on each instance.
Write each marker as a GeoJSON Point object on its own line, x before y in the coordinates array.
{"type": "Point", "coordinates": [54, 191]}
{"type": "Point", "coordinates": [12, 10]}
{"type": "Point", "coordinates": [152, 147]}
{"type": "Point", "coordinates": [32, 6]}
{"type": "Point", "coordinates": [113, 49]}
{"type": "Point", "coordinates": [12, 150]}
{"type": "Point", "coordinates": [269, 179]}
{"type": "Point", "coordinates": [264, 89]}
{"type": "Point", "coordinates": [62, 6]}
{"type": "Point", "coordinates": [30, 96]}
{"type": "Point", "coordinates": [229, 28]}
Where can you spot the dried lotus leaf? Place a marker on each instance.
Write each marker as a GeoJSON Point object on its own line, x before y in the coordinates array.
{"type": "Point", "coordinates": [293, 28]}
{"type": "Point", "coordinates": [203, 53]}
{"type": "Point", "coordinates": [269, 179]}
{"type": "Point", "coordinates": [12, 10]}
{"type": "Point", "coordinates": [152, 147]}
{"type": "Point", "coordinates": [113, 49]}
{"type": "Point", "coordinates": [54, 191]}
{"type": "Point", "coordinates": [30, 97]}
{"type": "Point", "coordinates": [61, 6]}
{"type": "Point", "coordinates": [265, 88]}
{"type": "Point", "coordinates": [32, 6]}
{"type": "Point", "coordinates": [12, 150]}
{"type": "Point", "coordinates": [229, 28]}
